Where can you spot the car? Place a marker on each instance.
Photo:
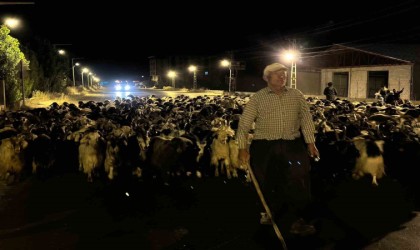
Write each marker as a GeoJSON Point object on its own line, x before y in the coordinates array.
{"type": "Point", "coordinates": [122, 87]}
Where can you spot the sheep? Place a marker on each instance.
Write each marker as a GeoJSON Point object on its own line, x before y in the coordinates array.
{"type": "Point", "coordinates": [44, 151]}
{"type": "Point", "coordinates": [173, 156]}
{"type": "Point", "coordinates": [12, 157]}
{"type": "Point", "coordinates": [111, 156]}
{"type": "Point", "coordinates": [122, 157]}
{"type": "Point", "coordinates": [370, 160]}
{"type": "Point", "coordinates": [91, 153]}
{"type": "Point", "coordinates": [220, 152]}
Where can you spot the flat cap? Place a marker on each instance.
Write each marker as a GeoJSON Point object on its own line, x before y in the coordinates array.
{"type": "Point", "coordinates": [273, 68]}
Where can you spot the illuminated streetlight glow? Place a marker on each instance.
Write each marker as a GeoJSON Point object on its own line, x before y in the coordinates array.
{"type": "Point", "coordinates": [61, 52]}
{"type": "Point", "coordinates": [290, 55]}
{"type": "Point", "coordinates": [226, 63]}
{"type": "Point", "coordinates": [172, 75]}
{"type": "Point", "coordinates": [193, 69]}
{"type": "Point", "coordinates": [12, 22]}
{"type": "Point", "coordinates": [96, 79]}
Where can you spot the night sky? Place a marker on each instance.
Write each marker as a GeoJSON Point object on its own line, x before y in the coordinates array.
{"type": "Point", "coordinates": [117, 38]}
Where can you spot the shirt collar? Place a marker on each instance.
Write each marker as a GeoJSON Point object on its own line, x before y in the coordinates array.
{"type": "Point", "coordinates": [285, 89]}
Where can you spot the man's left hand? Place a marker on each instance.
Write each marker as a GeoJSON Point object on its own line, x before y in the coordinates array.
{"type": "Point", "coordinates": [312, 150]}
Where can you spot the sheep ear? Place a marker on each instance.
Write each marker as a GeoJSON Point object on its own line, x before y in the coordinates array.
{"type": "Point", "coordinates": [380, 145]}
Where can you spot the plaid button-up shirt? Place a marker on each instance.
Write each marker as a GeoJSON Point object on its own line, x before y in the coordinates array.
{"type": "Point", "coordinates": [276, 117]}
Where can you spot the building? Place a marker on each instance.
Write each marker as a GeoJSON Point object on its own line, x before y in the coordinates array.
{"type": "Point", "coordinates": [360, 71]}
{"type": "Point", "coordinates": [357, 72]}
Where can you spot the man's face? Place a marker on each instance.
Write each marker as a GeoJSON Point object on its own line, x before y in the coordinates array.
{"type": "Point", "coordinates": [277, 80]}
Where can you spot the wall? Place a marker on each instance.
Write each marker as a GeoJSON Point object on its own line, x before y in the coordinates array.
{"type": "Point", "coordinates": [308, 82]}
{"type": "Point", "coordinates": [399, 77]}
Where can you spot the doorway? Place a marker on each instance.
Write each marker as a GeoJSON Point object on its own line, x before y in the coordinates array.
{"type": "Point", "coordinates": [341, 83]}
{"type": "Point", "coordinates": [376, 79]}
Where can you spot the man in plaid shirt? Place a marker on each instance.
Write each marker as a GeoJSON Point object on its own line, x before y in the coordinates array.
{"type": "Point", "coordinates": [279, 153]}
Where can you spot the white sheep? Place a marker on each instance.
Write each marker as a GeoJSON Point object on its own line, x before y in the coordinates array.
{"type": "Point", "coordinates": [220, 152]}
{"type": "Point", "coordinates": [91, 153]}
{"type": "Point", "coordinates": [370, 160]}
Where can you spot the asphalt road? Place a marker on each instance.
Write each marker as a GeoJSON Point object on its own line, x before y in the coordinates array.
{"type": "Point", "coordinates": [66, 212]}
{"type": "Point", "coordinates": [108, 93]}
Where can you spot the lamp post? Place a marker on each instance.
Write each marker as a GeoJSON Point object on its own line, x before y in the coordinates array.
{"type": "Point", "coordinates": [72, 68]}
{"type": "Point", "coordinates": [89, 75]}
{"type": "Point", "coordinates": [193, 69]}
{"type": "Point", "coordinates": [85, 70]}
{"type": "Point", "coordinates": [172, 75]}
{"type": "Point", "coordinates": [73, 65]}
{"type": "Point", "coordinates": [96, 79]}
{"type": "Point", "coordinates": [91, 80]}
{"type": "Point", "coordinates": [226, 63]}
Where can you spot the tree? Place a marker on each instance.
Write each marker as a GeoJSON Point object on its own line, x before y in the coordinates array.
{"type": "Point", "coordinates": [10, 57]}
{"type": "Point", "coordinates": [33, 77]}
{"type": "Point", "coordinates": [53, 69]}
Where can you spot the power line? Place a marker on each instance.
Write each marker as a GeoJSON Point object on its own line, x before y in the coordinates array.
{"type": "Point", "coordinates": [380, 14]}
{"type": "Point", "coordinates": [16, 3]}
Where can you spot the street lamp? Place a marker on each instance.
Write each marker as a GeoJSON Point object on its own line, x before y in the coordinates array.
{"type": "Point", "coordinates": [12, 22]}
{"type": "Point", "coordinates": [172, 75]}
{"type": "Point", "coordinates": [292, 56]}
{"type": "Point", "coordinates": [96, 79]}
{"type": "Point", "coordinates": [91, 80]}
{"type": "Point", "coordinates": [85, 70]}
{"type": "Point", "coordinates": [193, 69]}
{"type": "Point", "coordinates": [226, 63]}
{"type": "Point", "coordinates": [89, 74]}
{"type": "Point", "coordinates": [72, 68]}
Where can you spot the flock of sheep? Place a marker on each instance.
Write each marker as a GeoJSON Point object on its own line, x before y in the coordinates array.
{"type": "Point", "coordinates": [164, 138]}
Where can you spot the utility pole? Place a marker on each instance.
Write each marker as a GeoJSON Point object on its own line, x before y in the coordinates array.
{"type": "Point", "coordinates": [234, 66]}
{"type": "Point", "coordinates": [195, 80]}
{"type": "Point", "coordinates": [293, 69]}
{"type": "Point", "coordinates": [83, 84]}
{"type": "Point", "coordinates": [230, 71]}
{"type": "Point", "coordinates": [293, 75]}
{"type": "Point", "coordinates": [193, 69]}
